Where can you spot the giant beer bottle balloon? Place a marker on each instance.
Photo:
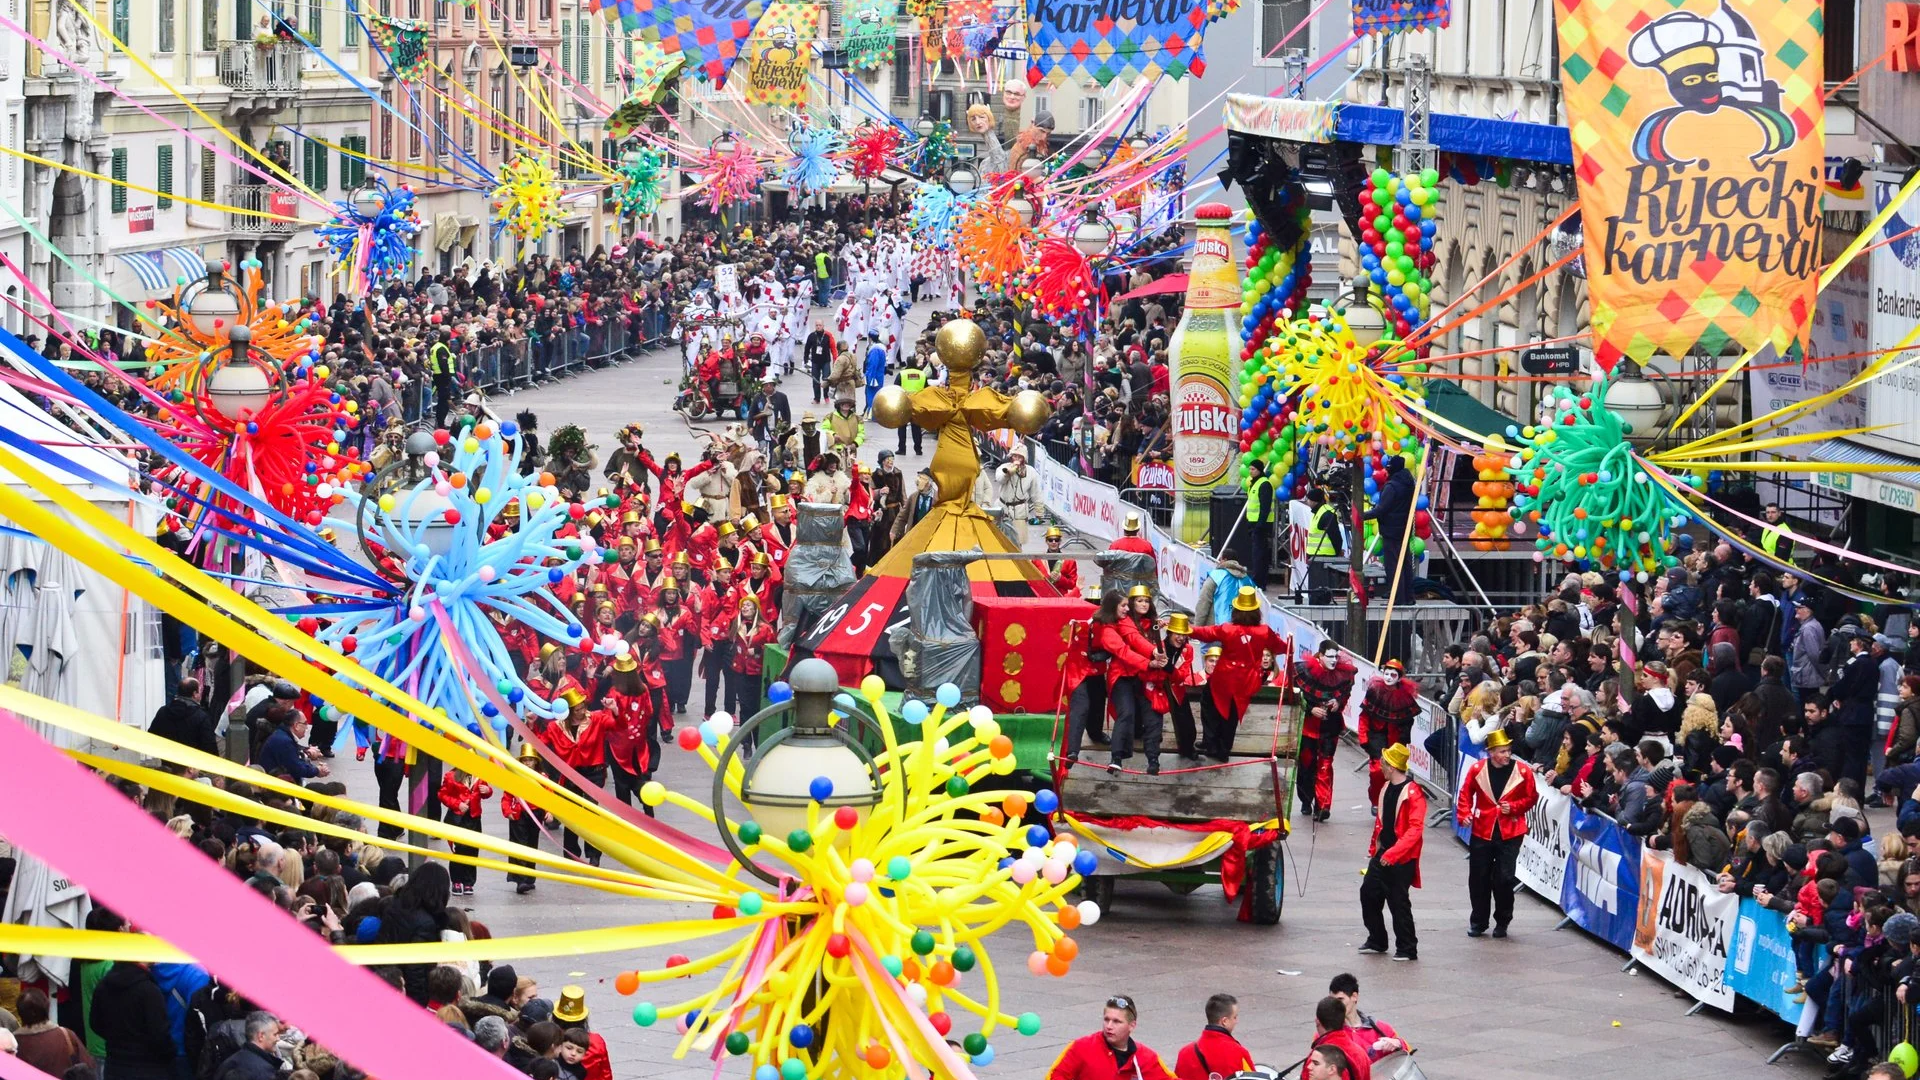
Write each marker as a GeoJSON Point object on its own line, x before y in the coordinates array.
{"type": "Point", "coordinates": [1206, 426]}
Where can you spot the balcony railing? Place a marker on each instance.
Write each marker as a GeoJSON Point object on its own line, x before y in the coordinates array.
{"type": "Point", "coordinates": [283, 204]}
{"type": "Point", "coordinates": [267, 67]}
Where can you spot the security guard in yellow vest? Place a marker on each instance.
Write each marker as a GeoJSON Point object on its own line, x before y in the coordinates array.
{"type": "Point", "coordinates": [1773, 537]}
{"type": "Point", "coordinates": [913, 379]}
{"type": "Point", "coordinates": [1259, 523]}
{"type": "Point", "coordinates": [444, 367]}
{"type": "Point", "coordinates": [1324, 541]}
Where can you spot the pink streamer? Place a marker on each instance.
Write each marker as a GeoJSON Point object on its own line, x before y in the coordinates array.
{"type": "Point", "coordinates": [12, 1068]}
{"type": "Point", "coordinates": [939, 1042]}
{"type": "Point", "coordinates": [252, 945]}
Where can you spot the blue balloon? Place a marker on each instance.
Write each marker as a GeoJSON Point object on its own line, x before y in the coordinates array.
{"type": "Point", "coordinates": [821, 789]}
{"type": "Point", "coordinates": [487, 709]}
{"type": "Point", "coordinates": [1626, 576]}
{"type": "Point", "coordinates": [1006, 862]}
{"type": "Point", "coordinates": [984, 1057]}
{"type": "Point", "coordinates": [509, 428]}
{"type": "Point", "coordinates": [1046, 802]}
{"type": "Point", "coordinates": [914, 712]}
{"type": "Point", "coordinates": [1086, 863]}
{"type": "Point", "coordinates": [766, 1072]}
{"type": "Point", "coordinates": [516, 695]}
{"type": "Point", "coordinates": [801, 1036]}
{"type": "Point", "coordinates": [1412, 212]}
{"type": "Point", "coordinates": [948, 695]}
{"type": "Point", "coordinates": [779, 692]}
{"type": "Point", "coordinates": [556, 575]}
{"type": "Point", "coordinates": [1037, 835]}
{"type": "Point", "coordinates": [1420, 503]}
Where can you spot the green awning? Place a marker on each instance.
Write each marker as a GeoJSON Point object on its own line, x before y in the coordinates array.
{"type": "Point", "coordinates": [1453, 403]}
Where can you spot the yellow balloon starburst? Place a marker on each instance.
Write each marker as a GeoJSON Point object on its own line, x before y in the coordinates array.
{"type": "Point", "coordinates": [1349, 399]}
{"type": "Point", "coordinates": [526, 200]}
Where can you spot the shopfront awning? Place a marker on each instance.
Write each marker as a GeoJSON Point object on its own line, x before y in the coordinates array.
{"type": "Point", "coordinates": [1900, 490]}
{"type": "Point", "coordinates": [1378, 125]}
{"type": "Point", "coordinates": [1454, 404]}
{"type": "Point", "coordinates": [157, 270]}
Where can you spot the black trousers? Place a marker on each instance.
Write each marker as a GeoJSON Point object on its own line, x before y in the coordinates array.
{"type": "Point", "coordinates": [1491, 879]}
{"type": "Point", "coordinates": [1856, 752]}
{"type": "Point", "coordinates": [743, 694]}
{"type": "Point", "coordinates": [715, 662]}
{"type": "Point", "coordinates": [626, 786]}
{"type": "Point", "coordinates": [463, 873]}
{"type": "Point", "coordinates": [679, 681]}
{"type": "Point", "coordinates": [325, 733]}
{"type": "Point", "coordinates": [1217, 729]}
{"type": "Point", "coordinates": [1181, 718]}
{"type": "Point", "coordinates": [1134, 718]}
{"type": "Point", "coordinates": [904, 429]}
{"type": "Point", "coordinates": [390, 773]}
{"type": "Point", "coordinates": [1259, 551]}
{"type": "Point", "coordinates": [1087, 712]}
{"type": "Point", "coordinates": [446, 394]}
{"type": "Point", "coordinates": [1388, 887]}
{"type": "Point", "coordinates": [525, 832]}
{"type": "Point", "coordinates": [569, 841]}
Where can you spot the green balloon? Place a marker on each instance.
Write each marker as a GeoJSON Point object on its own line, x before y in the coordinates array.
{"type": "Point", "coordinates": [1027, 1024]}
{"type": "Point", "coordinates": [1381, 177]}
{"type": "Point", "coordinates": [893, 965]}
{"type": "Point", "coordinates": [1429, 177]}
{"type": "Point", "coordinates": [963, 959]}
{"type": "Point", "coordinates": [645, 1014]}
{"type": "Point", "coordinates": [738, 1043]}
{"type": "Point", "coordinates": [975, 1044]}
{"type": "Point", "coordinates": [799, 840]}
{"type": "Point", "coordinates": [751, 832]}
{"type": "Point", "coordinates": [793, 1069]}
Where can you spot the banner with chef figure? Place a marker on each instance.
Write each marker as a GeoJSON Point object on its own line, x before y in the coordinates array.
{"type": "Point", "coordinates": [780, 53]}
{"type": "Point", "coordinates": [1698, 151]}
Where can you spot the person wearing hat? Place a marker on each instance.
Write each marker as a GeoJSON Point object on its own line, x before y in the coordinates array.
{"type": "Point", "coordinates": [580, 739]}
{"type": "Point", "coordinates": [1887, 653]}
{"type": "Point", "coordinates": [1386, 717]}
{"type": "Point", "coordinates": [673, 477]}
{"type": "Point", "coordinates": [463, 795]}
{"type": "Point", "coordinates": [590, 1057]}
{"type": "Point", "coordinates": [679, 638]}
{"type": "Point", "coordinates": [1062, 572]}
{"type": "Point", "coordinates": [748, 636]}
{"type": "Point", "coordinates": [1130, 538]}
{"type": "Point", "coordinates": [1018, 489]}
{"type": "Point", "coordinates": [1853, 699]}
{"type": "Point", "coordinates": [716, 605]}
{"type": "Point", "coordinates": [624, 466]}
{"type": "Point", "coordinates": [633, 738]}
{"type": "Point", "coordinates": [1805, 640]}
{"type": "Point", "coordinates": [522, 829]}
{"type": "Point", "coordinates": [912, 378]}
{"type": "Point", "coordinates": [1495, 795]}
{"type": "Point", "coordinates": [1657, 710]}
{"type": "Point", "coordinates": [1169, 685]}
{"type": "Point", "coordinates": [1325, 680]}
{"type": "Point", "coordinates": [1393, 858]}
{"type": "Point", "coordinates": [764, 584]}
{"type": "Point", "coordinates": [1248, 649]}
{"type": "Point", "coordinates": [1127, 655]}
{"type": "Point", "coordinates": [889, 490]}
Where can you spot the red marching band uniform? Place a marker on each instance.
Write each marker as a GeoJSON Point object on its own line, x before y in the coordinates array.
{"type": "Point", "coordinates": [1386, 718]}
{"type": "Point", "coordinates": [1324, 689]}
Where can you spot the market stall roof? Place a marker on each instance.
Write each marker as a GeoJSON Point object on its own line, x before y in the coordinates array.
{"type": "Point", "coordinates": [1453, 403]}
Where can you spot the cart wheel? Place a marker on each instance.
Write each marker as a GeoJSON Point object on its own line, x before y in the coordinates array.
{"type": "Point", "coordinates": [1100, 891]}
{"type": "Point", "coordinates": [1266, 876]}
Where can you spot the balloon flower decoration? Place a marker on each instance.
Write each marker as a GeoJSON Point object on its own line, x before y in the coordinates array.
{"type": "Point", "coordinates": [636, 188]}
{"type": "Point", "coordinates": [1396, 244]}
{"type": "Point", "coordinates": [371, 234]}
{"type": "Point", "coordinates": [899, 868]}
{"type": "Point", "coordinates": [730, 173]}
{"type": "Point", "coordinates": [1063, 287]}
{"type": "Point", "coordinates": [1314, 387]}
{"type": "Point", "coordinates": [871, 149]}
{"type": "Point", "coordinates": [936, 212]}
{"type": "Point", "coordinates": [526, 197]}
{"type": "Point", "coordinates": [934, 149]}
{"type": "Point", "coordinates": [998, 238]}
{"type": "Point", "coordinates": [811, 167]}
{"type": "Point", "coordinates": [468, 539]}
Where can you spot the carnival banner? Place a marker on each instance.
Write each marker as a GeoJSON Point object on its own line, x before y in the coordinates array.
{"type": "Point", "coordinates": [1761, 965]}
{"type": "Point", "coordinates": [1698, 151]}
{"type": "Point", "coordinates": [972, 29]}
{"type": "Point", "coordinates": [1601, 893]}
{"type": "Point", "coordinates": [870, 33]}
{"type": "Point", "coordinates": [1292, 119]}
{"type": "Point", "coordinates": [652, 67]}
{"type": "Point", "coordinates": [405, 43]}
{"type": "Point", "coordinates": [1395, 16]}
{"type": "Point", "coordinates": [1684, 929]}
{"type": "Point", "coordinates": [1114, 39]}
{"type": "Point", "coordinates": [780, 54]}
{"type": "Point", "coordinates": [1542, 866]}
{"type": "Point", "coordinates": [709, 33]}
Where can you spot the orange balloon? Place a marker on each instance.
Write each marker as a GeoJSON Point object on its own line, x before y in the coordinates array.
{"type": "Point", "coordinates": [546, 479]}
{"type": "Point", "coordinates": [483, 431]}
{"type": "Point", "coordinates": [1015, 806]}
{"type": "Point", "coordinates": [1057, 966]}
{"type": "Point", "coordinates": [942, 973]}
{"type": "Point", "coordinates": [1068, 917]}
{"type": "Point", "coordinates": [1000, 747]}
{"type": "Point", "coordinates": [626, 983]}
{"type": "Point", "coordinates": [877, 1057]}
{"type": "Point", "coordinates": [910, 971]}
{"type": "Point", "coordinates": [992, 816]}
{"type": "Point", "coordinates": [1066, 948]}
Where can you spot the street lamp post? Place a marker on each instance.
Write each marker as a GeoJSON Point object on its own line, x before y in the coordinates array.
{"type": "Point", "coordinates": [214, 305]}
{"type": "Point", "coordinates": [1368, 327]}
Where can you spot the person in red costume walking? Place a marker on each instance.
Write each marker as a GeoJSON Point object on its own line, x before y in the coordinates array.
{"type": "Point", "coordinates": [1130, 538]}
{"type": "Point", "coordinates": [1216, 1053]}
{"type": "Point", "coordinates": [1245, 643]}
{"type": "Point", "coordinates": [1393, 859]}
{"type": "Point", "coordinates": [1110, 1053]}
{"type": "Point", "coordinates": [1495, 796]}
{"type": "Point", "coordinates": [1386, 717]}
{"type": "Point", "coordinates": [1325, 679]}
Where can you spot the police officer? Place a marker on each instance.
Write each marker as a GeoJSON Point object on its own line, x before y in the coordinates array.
{"type": "Point", "coordinates": [443, 366]}
{"type": "Point", "coordinates": [913, 379]}
{"type": "Point", "coordinates": [1773, 536]}
{"type": "Point", "coordinates": [1259, 523]}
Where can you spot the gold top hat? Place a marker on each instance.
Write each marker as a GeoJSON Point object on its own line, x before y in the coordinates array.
{"type": "Point", "coordinates": [651, 618]}
{"type": "Point", "coordinates": [604, 493]}
{"type": "Point", "coordinates": [808, 417]}
{"type": "Point", "coordinates": [653, 545]}
{"type": "Point", "coordinates": [572, 1007]}
{"type": "Point", "coordinates": [606, 606]}
{"type": "Point", "coordinates": [687, 507]}
{"type": "Point", "coordinates": [671, 456]}
{"type": "Point", "coordinates": [1138, 591]}
{"type": "Point", "coordinates": [1395, 756]}
{"type": "Point", "coordinates": [628, 543]}
{"type": "Point", "coordinates": [630, 517]}
{"type": "Point", "coordinates": [625, 663]}
{"type": "Point", "coordinates": [528, 753]}
{"type": "Point", "coordinates": [1054, 533]}
{"type": "Point", "coordinates": [548, 650]}
{"type": "Point", "coordinates": [680, 559]}
{"type": "Point", "coordinates": [599, 586]}
{"type": "Point", "coordinates": [574, 697]}
{"type": "Point", "coordinates": [1248, 599]}
{"type": "Point", "coordinates": [1497, 738]}
{"type": "Point", "coordinates": [749, 523]}
{"type": "Point", "coordinates": [512, 510]}
{"type": "Point", "coordinates": [1178, 623]}
{"type": "Point", "coordinates": [760, 559]}
{"type": "Point", "coordinates": [1133, 522]}
{"type": "Point", "coordinates": [668, 583]}
{"type": "Point", "coordinates": [725, 528]}
{"type": "Point", "coordinates": [777, 501]}
{"type": "Point", "coordinates": [1213, 651]}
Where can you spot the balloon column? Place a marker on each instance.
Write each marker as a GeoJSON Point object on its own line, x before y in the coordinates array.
{"type": "Point", "coordinates": [1588, 493]}
{"type": "Point", "coordinates": [1276, 282]}
{"type": "Point", "coordinates": [372, 233]}
{"type": "Point", "coordinates": [526, 197]}
{"type": "Point", "coordinates": [474, 538]}
{"type": "Point", "coordinates": [1492, 493]}
{"type": "Point", "coordinates": [1396, 244]}
{"type": "Point", "coordinates": [892, 960]}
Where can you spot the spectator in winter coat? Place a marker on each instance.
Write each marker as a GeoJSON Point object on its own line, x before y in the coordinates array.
{"type": "Point", "coordinates": [129, 1013]}
{"type": "Point", "coordinates": [185, 720]}
{"type": "Point", "coordinates": [1803, 649]}
{"type": "Point", "coordinates": [256, 1060]}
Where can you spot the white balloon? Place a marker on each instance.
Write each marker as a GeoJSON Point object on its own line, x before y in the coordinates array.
{"type": "Point", "coordinates": [1089, 912]}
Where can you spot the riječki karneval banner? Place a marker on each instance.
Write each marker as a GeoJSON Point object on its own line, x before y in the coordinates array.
{"type": "Point", "coordinates": [1698, 150]}
{"type": "Point", "coordinates": [1113, 39]}
{"type": "Point", "coordinates": [780, 54]}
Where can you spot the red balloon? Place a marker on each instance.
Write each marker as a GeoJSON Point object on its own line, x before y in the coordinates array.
{"type": "Point", "coordinates": [838, 946]}
{"type": "Point", "coordinates": [688, 738]}
{"type": "Point", "coordinates": [941, 1022]}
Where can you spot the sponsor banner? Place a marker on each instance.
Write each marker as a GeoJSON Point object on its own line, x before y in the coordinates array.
{"type": "Point", "coordinates": [1543, 854]}
{"type": "Point", "coordinates": [1761, 965]}
{"type": "Point", "coordinates": [1684, 929]}
{"type": "Point", "coordinates": [1601, 892]}
{"type": "Point", "coordinates": [1281, 118]}
{"type": "Point", "coordinates": [1893, 399]}
{"type": "Point", "coordinates": [1299, 526]}
{"type": "Point", "coordinates": [1155, 476]}
{"type": "Point", "coordinates": [1699, 159]}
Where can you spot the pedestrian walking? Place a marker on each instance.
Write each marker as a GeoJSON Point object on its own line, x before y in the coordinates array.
{"type": "Point", "coordinates": [1495, 796]}
{"type": "Point", "coordinates": [1393, 859]}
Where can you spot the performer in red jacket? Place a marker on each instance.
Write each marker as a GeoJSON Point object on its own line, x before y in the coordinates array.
{"type": "Point", "coordinates": [1386, 717]}
{"type": "Point", "coordinates": [1325, 679]}
{"type": "Point", "coordinates": [1116, 634]}
{"type": "Point", "coordinates": [633, 739]}
{"type": "Point", "coordinates": [1244, 644]}
{"type": "Point", "coordinates": [1393, 865]}
{"type": "Point", "coordinates": [1168, 685]}
{"type": "Point", "coordinates": [1062, 572]}
{"type": "Point", "coordinates": [581, 741]}
{"type": "Point", "coordinates": [463, 795]}
{"type": "Point", "coordinates": [1216, 1052]}
{"type": "Point", "coordinates": [1130, 538]}
{"type": "Point", "coordinates": [1495, 796]}
{"type": "Point", "coordinates": [1110, 1053]}
{"type": "Point", "coordinates": [749, 635]}
{"type": "Point", "coordinates": [521, 827]}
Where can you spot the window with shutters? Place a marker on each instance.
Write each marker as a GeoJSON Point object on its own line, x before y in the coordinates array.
{"type": "Point", "coordinates": [163, 162]}
{"type": "Point", "coordinates": [315, 31]}
{"type": "Point", "coordinates": [386, 125]}
{"type": "Point", "coordinates": [610, 71]}
{"type": "Point", "coordinates": [413, 132]}
{"type": "Point", "coordinates": [209, 175]}
{"type": "Point", "coordinates": [440, 136]}
{"type": "Point", "coordinates": [209, 25]}
{"type": "Point", "coordinates": [353, 165]}
{"type": "Point", "coordinates": [163, 28]}
{"type": "Point", "coordinates": [351, 35]}
{"type": "Point", "coordinates": [468, 132]}
{"type": "Point", "coordinates": [119, 197]}
{"type": "Point", "coordinates": [123, 19]}
{"type": "Point", "coordinates": [903, 63]}
{"type": "Point", "coordinates": [497, 100]}
{"type": "Point", "coordinates": [566, 46]}
{"type": "Point", "coordinates": [585, 71]}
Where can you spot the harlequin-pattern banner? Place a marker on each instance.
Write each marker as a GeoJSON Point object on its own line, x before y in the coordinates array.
{"type": "Point", "coordinates": [1394, 16]}
{"type": "Point", "coordinates": [1698, 148]}
{"type": "Point", "coordinates": [404, 42]}
{"type": "Point", "coordinates": [870, 32]}
{"type": "Point", "coordinates": [709, 33]}
{"type": "Point", "coordinates": [972, 29]}
{"type": "Point", "coordinates": [621, 13]}
{"type": "Point", "coordinates": [780, 54]}
{"type": "Point", "coordinates": [1114, 39]}
{"type": "Point", "coordinates": [652, 67]}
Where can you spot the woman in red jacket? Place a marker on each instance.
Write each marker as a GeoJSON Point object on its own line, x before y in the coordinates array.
{"type": "Point", "coordinates": [750, 635]}
{"type": "Point", "coordinates": [462, 795]}
{"type": "Point", "coordinates": [1245, 643]}
{"type": "Point", "coordinates": [581, 741]}
{"type": "Point", "coordinates": [1129, 654]}
{"type": "Point", "coordinates": [633, 741]}
{"type": "Point", "coordinates": [679, 637]}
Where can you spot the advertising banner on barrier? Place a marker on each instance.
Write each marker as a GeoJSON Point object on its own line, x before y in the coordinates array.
{"type": "Point", "coordinates": [1684, 929]}
{"type": "Point", "coordinates": [1761, 964]}
{"type": "Point", "coordinates": [1543, 853]}
{"type": "Point", "coordinates": [1601, 893]}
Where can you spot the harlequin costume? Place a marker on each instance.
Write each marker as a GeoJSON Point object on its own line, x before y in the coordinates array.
{"type": "Point", "coordinates": [1386, 717]}
{"type": "Point", "coordinates": [1324, 689]}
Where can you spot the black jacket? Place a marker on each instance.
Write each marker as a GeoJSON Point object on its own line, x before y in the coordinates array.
{"type": "Point", "coordinates": [251, 1063]}
{"type": "Point", "coordinates": [1856, 690]}
{"type": "Point", "coordinates": [187, 723]}
{"type": "Point", "coordinates": [410, 928]}
{"type": "Point", "coordinates": [129, 1014]}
